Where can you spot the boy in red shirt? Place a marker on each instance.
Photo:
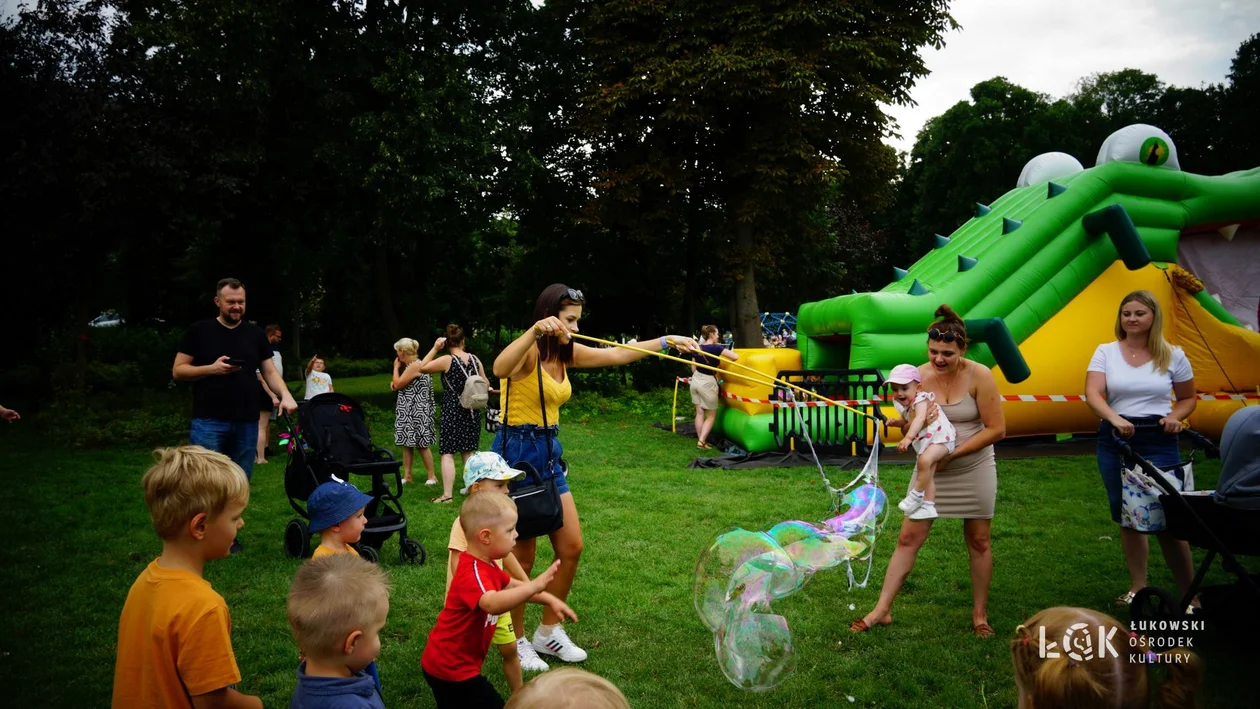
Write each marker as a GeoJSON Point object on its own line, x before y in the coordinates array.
{"type": "Point", "coordinates": [480, 591]}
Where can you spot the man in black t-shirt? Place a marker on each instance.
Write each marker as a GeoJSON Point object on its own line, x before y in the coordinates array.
{"type": "Point", "coordinates": [219, 357]}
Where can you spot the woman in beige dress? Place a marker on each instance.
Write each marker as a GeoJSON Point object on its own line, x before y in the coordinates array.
{"type": "Point", "coordinates": [966, 481]}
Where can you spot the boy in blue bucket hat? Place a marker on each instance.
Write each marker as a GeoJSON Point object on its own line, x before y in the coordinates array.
{"type": "Point", "coordinates": [337, 515]}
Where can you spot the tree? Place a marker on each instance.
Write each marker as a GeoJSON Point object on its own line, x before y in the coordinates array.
{"type": "Point", "coordinates": [1241, 106]}
{"type": "Point", "coordinates": [745, 112]}
{"type": "Point", "coordinates": [974, 152]}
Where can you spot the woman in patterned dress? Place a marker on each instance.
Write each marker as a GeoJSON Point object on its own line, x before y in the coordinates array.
{"type": "Point", "coordinates": [459, 429]}
{"type": "Point", "coordinates": [413, 423]}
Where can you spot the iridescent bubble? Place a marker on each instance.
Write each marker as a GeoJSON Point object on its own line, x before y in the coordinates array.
{"type": "Point", "coordinates": [743, 572]}
{"type": "Point", "coordinates": [738, 563]}
{"type": "Point", "coordinates": [754, 649]}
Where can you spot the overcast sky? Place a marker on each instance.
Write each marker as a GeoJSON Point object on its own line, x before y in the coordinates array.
{"type": "Point", "coordinates": [1048, 45]}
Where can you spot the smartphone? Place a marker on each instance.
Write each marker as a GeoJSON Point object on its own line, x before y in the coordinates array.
{"type": "Point", "coordinates": [236, 362]}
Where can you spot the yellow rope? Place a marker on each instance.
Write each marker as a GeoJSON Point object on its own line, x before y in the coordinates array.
{"type": "Point", "coordinates": [767, 377]}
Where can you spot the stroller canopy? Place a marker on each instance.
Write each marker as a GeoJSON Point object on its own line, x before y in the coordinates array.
{"type": "Point", "coordinates": [1239, 485]}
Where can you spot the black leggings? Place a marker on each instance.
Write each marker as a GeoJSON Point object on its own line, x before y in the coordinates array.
{"type": "Point", "coordinates": [475, 693]}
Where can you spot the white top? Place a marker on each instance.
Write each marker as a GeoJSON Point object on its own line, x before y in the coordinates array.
{"type": "Point", "coordinates": [1139, 391]}
{"type": "Point", "coordinates": [317, 383]}
{"type": "Point", "coordinates": [939, 431]}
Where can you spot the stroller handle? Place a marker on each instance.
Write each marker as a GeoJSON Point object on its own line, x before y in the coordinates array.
{"type": "Point", "coordinates": [1198, 440]}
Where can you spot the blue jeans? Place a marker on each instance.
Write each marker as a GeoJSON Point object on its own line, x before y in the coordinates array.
{"type": "Point", "coordinates": [528, 443]}
{"type": "Point", "coordinates": [1147, 441]}
{"type": "Point", "coordinates": [237, 440]}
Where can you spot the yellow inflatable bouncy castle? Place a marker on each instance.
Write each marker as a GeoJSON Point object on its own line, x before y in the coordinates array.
{"type": "Point", "coordinates": [1038, 275]}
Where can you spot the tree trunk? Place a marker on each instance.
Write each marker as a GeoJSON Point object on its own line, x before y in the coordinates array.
{"type": "Point", "coordinates": [747, 315]}
{"type": "Point", "coordinates": [82, 315]}
{"type": "Point", "coordinates": [297, 328]}
{"type": "Point", "coordinates": [385, 295]}
{"type": "Point", "coordinates": [691, 265]}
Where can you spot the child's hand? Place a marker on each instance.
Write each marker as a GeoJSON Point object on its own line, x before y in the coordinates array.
{"type": "Point", "coordinates": [896, 423]}
{"type": "Point", "coordinates": [543, 580]}
{"type": "Point", "coordinates": [903, 445]}
{"type": "Point", "coordinates": [562, 609]}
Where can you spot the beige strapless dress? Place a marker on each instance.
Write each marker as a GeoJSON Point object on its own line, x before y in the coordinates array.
{"type": "Point", "coordinates": [967, 487]}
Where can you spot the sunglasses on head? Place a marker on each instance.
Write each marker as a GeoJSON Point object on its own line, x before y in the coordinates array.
{"type": "Point", "coordinates": [946, 336]}
{"type": "Point", "coordinates": [574, 295]}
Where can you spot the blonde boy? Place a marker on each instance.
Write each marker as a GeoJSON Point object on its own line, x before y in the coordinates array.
{"type": "Point", "coordinates": [337, 515]}
{"type": "Point", "coordinates": [337, 609]}
{"type": "Point", "coordinates": [480, 592]}
{"type": "Point", "coordinates": [175, 633]}
{"type": "Point", "coordinates": [489, 472]}
{"type": "Point", "coordinates": [569, 688]}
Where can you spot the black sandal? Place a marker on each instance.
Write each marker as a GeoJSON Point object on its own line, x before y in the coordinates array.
{"type": "Point", "coordinates": [442, 500]}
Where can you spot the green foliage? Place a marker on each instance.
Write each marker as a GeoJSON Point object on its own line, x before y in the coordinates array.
{"type": "Point", "coordinates": [115, 418]}
{"type": "Point", "coordinates": [339, 367]}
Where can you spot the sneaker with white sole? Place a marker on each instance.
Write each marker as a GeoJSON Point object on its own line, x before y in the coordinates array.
{"type": "Point", "coordinates": [559, 644]}
{"type": "Point", "coordinates": [926, 511]}
{"type": "Point", "coordinates": [530, 661]}
{"type": "Point", "coordinates": [911, 503]}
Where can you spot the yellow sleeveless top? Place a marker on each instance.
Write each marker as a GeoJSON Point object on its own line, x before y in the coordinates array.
{"type": "Point", "coordinates": [522, 404]}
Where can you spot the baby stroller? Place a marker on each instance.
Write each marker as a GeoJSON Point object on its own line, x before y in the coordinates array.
{"type": "Point", "coordinates": [1225, 522]}
{"type": "Point", "coordinates": [332, 439]}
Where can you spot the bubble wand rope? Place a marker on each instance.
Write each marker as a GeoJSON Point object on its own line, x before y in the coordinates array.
{"type": "Point", "coordinates": [767, 379]}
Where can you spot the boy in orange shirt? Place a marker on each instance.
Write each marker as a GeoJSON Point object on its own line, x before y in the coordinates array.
{"type": "Point", "coordinates": [175, 634]}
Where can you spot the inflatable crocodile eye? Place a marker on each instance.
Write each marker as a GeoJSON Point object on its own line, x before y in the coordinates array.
{"type": "Point", "coordinates": [1140, 143]}
{"type": "Point", "coordinates": [1154, 151]}
{"type": "Point", "coordinates": [1046, 167]}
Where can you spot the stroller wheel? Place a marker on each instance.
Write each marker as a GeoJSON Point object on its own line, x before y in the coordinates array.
{"type": "Point", "coordinates": [412, 551]}
{"type": "Point", "coordinates": [297, 539]}
{"type": "Point", "coordinates": [369, 553]}
{"type": "Point", "coordinates": [1152, 603]}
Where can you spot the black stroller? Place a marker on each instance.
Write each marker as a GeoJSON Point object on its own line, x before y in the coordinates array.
{"type": "Point", "coordinates": [1225, 523]}
{"type": "Point", "coordinates": [332, 439]}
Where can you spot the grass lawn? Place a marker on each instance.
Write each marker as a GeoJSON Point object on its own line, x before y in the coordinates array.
{"type": "Point", "coordinates": [81, 535]}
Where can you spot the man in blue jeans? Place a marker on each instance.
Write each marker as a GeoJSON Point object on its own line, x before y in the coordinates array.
{"type": "Point", "coordinates": [219, 357]}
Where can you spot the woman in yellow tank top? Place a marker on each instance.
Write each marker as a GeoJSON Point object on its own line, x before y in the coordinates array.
{"type": "Point", "coordinates": [522, 438]}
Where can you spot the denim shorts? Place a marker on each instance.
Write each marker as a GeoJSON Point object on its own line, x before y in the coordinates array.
{"type": "Point", "coordinates": [528, 443]}
{"type": "Point", "coordinates": [1151, 443]}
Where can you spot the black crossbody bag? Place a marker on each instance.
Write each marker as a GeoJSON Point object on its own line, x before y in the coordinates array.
{"type": "Point", "coordinates": [538, 507]}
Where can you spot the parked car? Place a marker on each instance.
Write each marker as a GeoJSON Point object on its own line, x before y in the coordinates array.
{"type": "Point", "coordinates": [109, 318]}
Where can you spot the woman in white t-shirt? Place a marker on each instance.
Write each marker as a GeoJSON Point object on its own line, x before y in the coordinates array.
{"type": "Point", "coordinates": [1130, 385]}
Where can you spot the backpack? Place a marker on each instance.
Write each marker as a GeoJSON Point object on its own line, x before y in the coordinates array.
{"type": "Point", "coordinates": [476, 393]}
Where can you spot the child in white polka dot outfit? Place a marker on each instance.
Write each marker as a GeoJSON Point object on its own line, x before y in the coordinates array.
{"type": "Point", "coordinates": [932, 441]}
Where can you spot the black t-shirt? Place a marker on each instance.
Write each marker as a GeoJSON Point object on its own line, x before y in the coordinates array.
{"type": "Point", "coordinates": [228, 397]}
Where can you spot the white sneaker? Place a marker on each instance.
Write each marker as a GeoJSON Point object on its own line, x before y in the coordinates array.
{"type": "Point", "coordinates": [559, 644]}
{"type": "Point", "coordinates": [911, 503]}
{"type": "Point", "coordinates": [530, 661]}
{"type": "Point", "coordinates": [926, 511]}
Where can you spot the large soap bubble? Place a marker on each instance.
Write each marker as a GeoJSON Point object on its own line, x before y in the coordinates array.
{"type": "Point", "coordinates": [743, 572]}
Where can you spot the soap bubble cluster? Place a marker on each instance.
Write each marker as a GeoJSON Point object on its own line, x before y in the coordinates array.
{"type": "Point", "coordinates": [743, 572]}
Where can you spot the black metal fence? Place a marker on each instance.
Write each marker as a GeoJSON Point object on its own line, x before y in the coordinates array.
{"type": "Point", "coordinates": [831, 428]}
